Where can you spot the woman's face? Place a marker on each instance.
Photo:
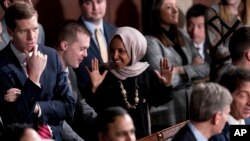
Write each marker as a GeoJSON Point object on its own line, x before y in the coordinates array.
{"type": "Point", "coordinates": [169, 12]}
{"type": "Point", "coordinates": [119, 53]}
{"type": "Point", "coordinates": [233, 2]}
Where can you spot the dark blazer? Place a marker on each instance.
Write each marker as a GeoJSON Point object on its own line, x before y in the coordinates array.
{"type": "Point", "coordinates": [206, 51]}
{"type": "Point", "coordinates": [184, 134]}
{"type": "Point", "coordinates": [54, 96]}
{"type": "Point", "coordinates": [93, 52]}
{"type": "Point", "coordinates": [84, 115]}
{"type": "Point", "coordinates": [225, 134]}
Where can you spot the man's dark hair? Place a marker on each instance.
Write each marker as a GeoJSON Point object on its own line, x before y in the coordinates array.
{"type": "Point", "coordinates": [14, 132]}
{"type": "Point", "coordinates": [239, 43]}
{"type": "Point", "coordinates": [234, 78]}
{"type": "Point", "coordinates": [108, 116]}
{"type": "Point", "coordinates": [196, 11]}
{"type": "Point", "coordinates": [68, 31]}
{"type": "Point", "coordinates": [18, 11]}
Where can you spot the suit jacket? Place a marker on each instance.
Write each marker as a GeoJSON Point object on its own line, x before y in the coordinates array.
{"type": "Point", "coordinates": [84, 114]}
{"type": "Point", "coordinates": [54, 96]}
{"type": "Point", "coordinates": [156, 50]}
{"type": "Point", "coordinates": [225, 134]}
{"type": "Point", "coordinates": [93, 52]}
{"type": "Point", "coordinates": [206, 51]}
{"type": "Point", "coordinates": [184, 134]}
{"type": "Point", "coordinates": [176, 111]}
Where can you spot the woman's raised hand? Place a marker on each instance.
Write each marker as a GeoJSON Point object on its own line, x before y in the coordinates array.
{"type": "Point", "coordinates": [94, 74]}
{"type": "Point", "coordinates": [166, 72]}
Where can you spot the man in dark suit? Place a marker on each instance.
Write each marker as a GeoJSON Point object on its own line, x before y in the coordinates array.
{"type": "Point", "coordinates": [209, 106]}
{"type": "Point", "coordinates": [92, 15]}
{"type": "Point", "coordinates": [44, 98]}
{"type": "Point", "coordinates": [72, 45]}
{"type": "Point", "coordinates": [196, 29]}
{"type": "Point", "coordinates": [239, 87]}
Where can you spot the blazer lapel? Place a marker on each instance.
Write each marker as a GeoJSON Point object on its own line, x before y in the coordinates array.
{"type": "Point", "coordinates": [13, 64]}
{"type": "Point", "coordinates": [107, 32]}
{"type": "Point", "coordinates": [94, 49]}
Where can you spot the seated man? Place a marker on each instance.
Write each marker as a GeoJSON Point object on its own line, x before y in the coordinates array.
{"type": "Point", "coordinates": [210, 106]}
{"type": "Point", "coordinates": [239, 87]}
{"type": "Point", "coordinates": [115, 124]}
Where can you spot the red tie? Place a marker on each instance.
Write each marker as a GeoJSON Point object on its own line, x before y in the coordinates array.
{"type": "Point", "coordinates": [44, 131]}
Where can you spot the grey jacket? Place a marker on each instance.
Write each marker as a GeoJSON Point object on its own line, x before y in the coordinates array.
{"type": "Point", "coordinates": [156, 50]}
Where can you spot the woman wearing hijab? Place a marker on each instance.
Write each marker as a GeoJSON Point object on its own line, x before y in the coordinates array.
{"type": "Point", "coordinates": [130, 83]}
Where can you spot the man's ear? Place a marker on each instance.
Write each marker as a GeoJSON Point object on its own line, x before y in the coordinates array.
{"type": "Point", "coordinates": [216, 118]}
{"type": "Point", "coordinates": [10, 31]}
{"type": "Point", "coordinates": [63, 45]}
{"type": "Point", "coordinates": [247, 55]}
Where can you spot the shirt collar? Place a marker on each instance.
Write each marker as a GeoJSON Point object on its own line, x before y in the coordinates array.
{"type": "Point", "coordinates": [92, 26]}
{"type": "Point", "coordinates": [199, 45]}
{"type": "Point", "coordinates": [197, 134]}
{"type": "Point", "coordinates": [21, 56]}
{"type": "Point", "coordinates": [232, 121]}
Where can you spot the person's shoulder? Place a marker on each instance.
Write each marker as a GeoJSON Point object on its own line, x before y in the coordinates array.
{"type": "Point", "coordinates": [151, 38]}
{"type": "Point", "coordinates": [47, 50]}
{"type": "Point", "coordinates": [247, 121]}
{"type": "Point", "coordinates": [109, 25]}
{"type": "Point", "coordinates": [214, 10]}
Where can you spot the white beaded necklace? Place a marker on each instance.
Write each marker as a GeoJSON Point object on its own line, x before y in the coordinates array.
{"type": "Point", "coordinates": [124, 94]}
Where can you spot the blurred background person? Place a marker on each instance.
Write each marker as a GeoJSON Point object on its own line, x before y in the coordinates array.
{"type": "Point", "coordinates": [239, 48]}
{"type": "Point", "coordinates": [167, 40]}
{"type": "Point", "coordinates": [196, 29]}
{"type": "Point", "coordinates": [20, 132]}
{"type": "Point", "coordinates": [115, 124]}
{"type": "Point", "coordinates": [222, 20]}
{"type": "Point", "coordinates": [244, 12]}
{"type": "Point", "coordinates": [239, 87]}
{"type": "Point", "coordinates": [210, 106]}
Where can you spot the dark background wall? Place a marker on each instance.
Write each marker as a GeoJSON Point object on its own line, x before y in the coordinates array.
{"type": "Point", "coordinates": [119, 12]}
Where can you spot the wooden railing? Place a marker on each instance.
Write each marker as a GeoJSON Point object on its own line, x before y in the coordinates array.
{"type": "Point", "coordinates": [165, 134]}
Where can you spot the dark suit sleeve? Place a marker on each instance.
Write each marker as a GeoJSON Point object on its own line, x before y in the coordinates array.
{"type": "Point", "coordinates": [62, 103]}
{"type": "Point", "coordinates": [22, 109]}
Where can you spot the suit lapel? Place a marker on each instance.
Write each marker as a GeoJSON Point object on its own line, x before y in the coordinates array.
{"type": "Point", "coordinates": [44, 73]}
{"type": "Point", "coordinates": [107, 32]}
{"type": "Point", "coordinates": [94, 49]}
{"type": "Point", "coordinates": [226, 131]}
{"type": "Point", "coordinates": [13, 64]}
